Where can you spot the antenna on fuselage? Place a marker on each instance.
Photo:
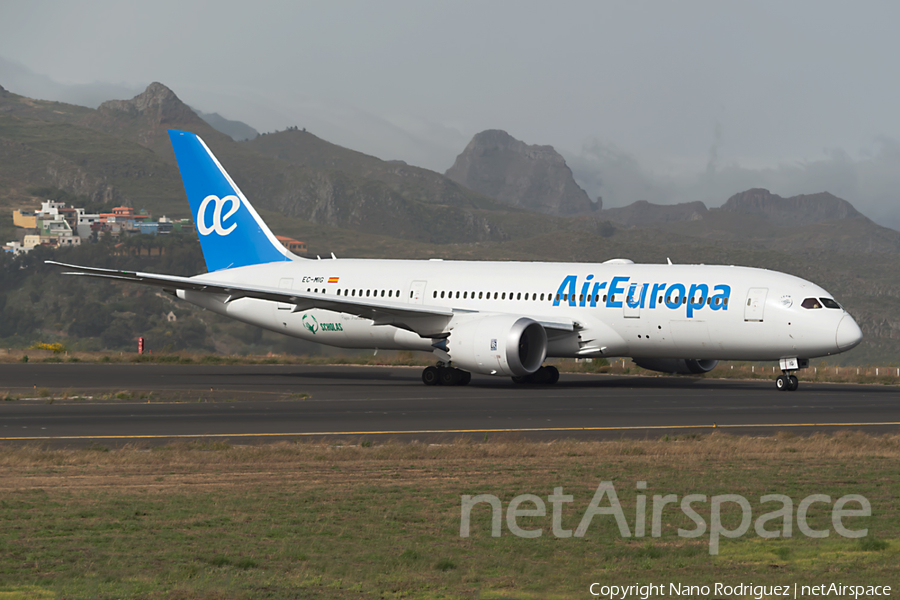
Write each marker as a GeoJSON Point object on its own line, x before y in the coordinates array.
{"type": "Point", "coordinates": [669, 260]}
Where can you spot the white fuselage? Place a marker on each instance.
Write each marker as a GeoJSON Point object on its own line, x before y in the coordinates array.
{"type": "Point", "coordinates": [675, 311]}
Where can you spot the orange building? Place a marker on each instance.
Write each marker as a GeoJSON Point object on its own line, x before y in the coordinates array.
{"type": "Point", "coordinates": [293, 245]}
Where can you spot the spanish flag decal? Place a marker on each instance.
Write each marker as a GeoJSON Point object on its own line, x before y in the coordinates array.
{"type": "Point", "coordinates": [333, 279]}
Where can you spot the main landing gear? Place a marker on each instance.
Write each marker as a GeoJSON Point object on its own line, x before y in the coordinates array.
{"type": "Point", "coordinates": [442, 375]}
{"type": "Point", "coordinates": [544, 376]}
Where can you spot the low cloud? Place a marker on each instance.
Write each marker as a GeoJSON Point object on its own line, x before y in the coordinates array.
{"type": "Point", "coordinates": [870, 182]}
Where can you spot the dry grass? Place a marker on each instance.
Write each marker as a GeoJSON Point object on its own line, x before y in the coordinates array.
{"type": "Point", "coordinates": [882, 375]}
{"type": "Point", "coordinates": [344, 519]}
{"type": "Point", "coordinates": [684, 450]}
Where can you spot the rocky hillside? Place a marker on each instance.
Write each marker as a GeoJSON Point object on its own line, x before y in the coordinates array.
{"type": "Point", "coordinates": [646, 214]}
{"type": "Point", "coordinates": [534, 178]}
{"type": "Point", "coordinates": [796, 210]}
{"type": "Point", "coordinates": [303, 149]}
{"type": "Point", "coordinates": [121, 152]}
{"type": "Point", "coordinates": [236, 130]}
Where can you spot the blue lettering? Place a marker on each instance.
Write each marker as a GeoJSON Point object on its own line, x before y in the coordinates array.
{"type": "Point", "coordinates": [584, 290]}
{"type": "Point", "coordinates": [596, 292]}
{"type": "Point", "coordinates": [657, 288]}
{"type": "Point", "coordinates": [615, 289]}
{"type": "Point", "coordinates": [675, 296]}
{"type": "Point", "coordinates": [720, 300]}
{"type": "Point", "coordinates": [697, 298]}
{"type": "Point", "coordinates": [673, 300]}
{"type": "Point", "coordinates": [634, 302]}
{"type": "Point", "coordinates": [566, 287]}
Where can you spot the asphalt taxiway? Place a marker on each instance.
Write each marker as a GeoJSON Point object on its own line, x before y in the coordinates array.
{"type": "Point", "coordinates": [250, 404]}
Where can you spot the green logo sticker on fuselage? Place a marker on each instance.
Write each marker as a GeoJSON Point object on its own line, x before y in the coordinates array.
{"type": "Point", "coordinates": [314, 326]}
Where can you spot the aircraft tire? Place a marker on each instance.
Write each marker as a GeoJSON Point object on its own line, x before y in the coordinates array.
{"type": "Point", "coordinates": [782, 383]}
{"type": "Point", "coordinates": [521, 380]}
{"type": "Point", "coordinates": [448, 376]}
{"type": "Point", "coordinates": [552, 375]}
{"type": "Point", "coordinates": [430, 376]}
{"type": "Point", "coordinates": [793, 383]}
{"type": "Point", "coordinates": [464, 378]}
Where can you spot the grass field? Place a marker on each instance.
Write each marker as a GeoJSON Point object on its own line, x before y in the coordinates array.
{"type": "Point", "coordinates": [361, 520]}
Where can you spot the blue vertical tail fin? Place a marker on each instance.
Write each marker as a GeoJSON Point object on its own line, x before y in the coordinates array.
{"type": "Point", "coordinates": [231, 232]}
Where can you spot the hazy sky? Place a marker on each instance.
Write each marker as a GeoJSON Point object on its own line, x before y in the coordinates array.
{"type": "Point", "coordinates": [663, 101]}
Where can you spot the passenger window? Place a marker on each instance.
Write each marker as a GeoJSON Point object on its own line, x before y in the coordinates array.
{"type": "Point", "coordinates": [480, 294]}
{"type": "Point", "coordinates": [503, 296]}
{"type": "Point", "coordinates": [442, 294]}
{"type": "Point", "coordinates": [368, 292]}
{"type": "Point", "coordinates": [542, 297]}
{"type": "Point", "coordinates": [495, 295]}
{"type": "Point", "coordinates": [435, 294]}
{"type": "Point", "coordinates": [382, 293]}
{"type": "Point", "coordinates": [604, 297]}
{"type": "Point", "coordinates": [829, 303]}
{"type": "Point", "coordinates": [811, 303]}
{"type": "Point", "coordinates": [389, 293]}
{"type": "Point", "coordinates": [354, 293]}
{"type": "Point", "coordinates": [519, 296]}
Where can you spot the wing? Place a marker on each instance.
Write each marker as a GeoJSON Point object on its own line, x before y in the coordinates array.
{"type": "Point", "coordinates": [427, 321]}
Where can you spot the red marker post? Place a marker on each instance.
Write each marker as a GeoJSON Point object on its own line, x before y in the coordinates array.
{"type": "Point", "coordinates": [140, 345]}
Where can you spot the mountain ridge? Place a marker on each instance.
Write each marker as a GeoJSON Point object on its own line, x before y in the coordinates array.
{"type": "Point", "coordinates": [534, 178]}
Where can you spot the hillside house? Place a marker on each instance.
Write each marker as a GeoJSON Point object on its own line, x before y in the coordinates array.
{"type": "Point", "coordinates": [295, 246]}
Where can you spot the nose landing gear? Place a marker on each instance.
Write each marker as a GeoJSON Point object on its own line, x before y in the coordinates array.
{"type": "Point", "coordinates": [787, 382]}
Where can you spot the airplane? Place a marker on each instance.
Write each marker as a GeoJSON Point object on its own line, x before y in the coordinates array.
{"type": "Point", "coordinates": [493, 318]}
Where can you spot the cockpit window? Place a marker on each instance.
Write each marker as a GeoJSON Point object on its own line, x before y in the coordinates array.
{"type": "Point", "coordinates": [829, 303]}
{"type": "Point", "coordinates": [811, 303]}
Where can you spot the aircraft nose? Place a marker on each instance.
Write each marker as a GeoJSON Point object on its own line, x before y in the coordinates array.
{"type": "Point", "coordinates": [848, 335]}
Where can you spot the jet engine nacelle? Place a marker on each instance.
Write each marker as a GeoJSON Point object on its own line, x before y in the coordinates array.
{"type": "Point", "coordinates": [506, 345]}
{"type": "Point", "coordinates": [681, 366]}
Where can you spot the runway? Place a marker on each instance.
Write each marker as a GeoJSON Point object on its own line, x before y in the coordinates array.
{"type": "Point", "coordinates": [252, 404]}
